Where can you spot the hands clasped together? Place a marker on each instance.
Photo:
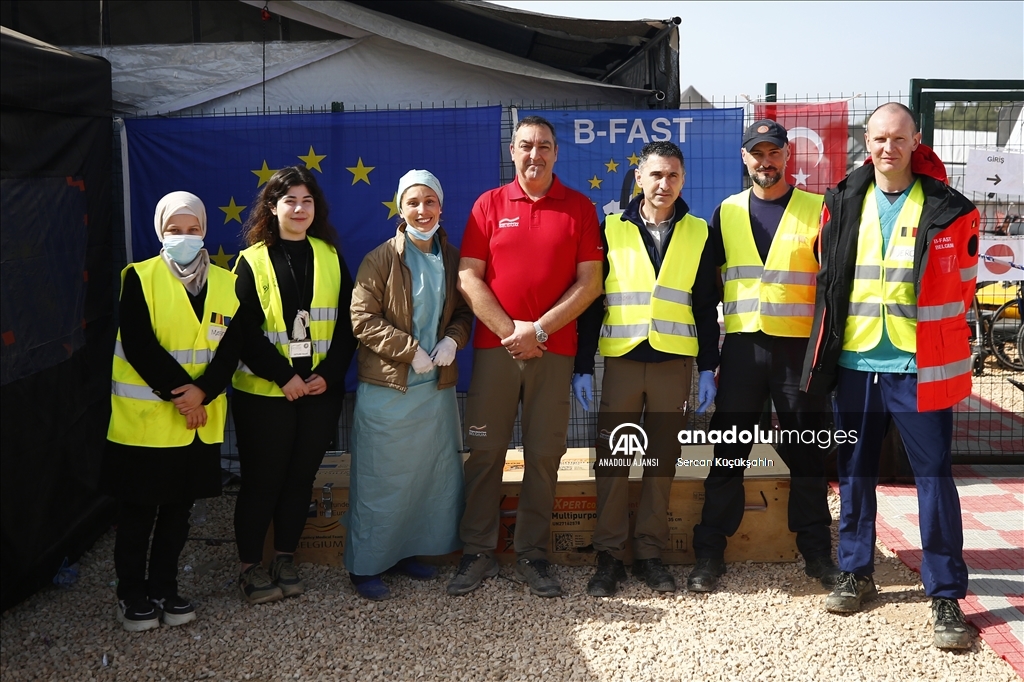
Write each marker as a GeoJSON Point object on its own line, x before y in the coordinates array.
{"type": "Point", "coordinates": [189, 401]}
{"type": "Point", "coordinates": [442, 355]}
{"type": "Point", "coordinates": [522, 343]}
{"type": "Point", "coordinates": [297, 388]}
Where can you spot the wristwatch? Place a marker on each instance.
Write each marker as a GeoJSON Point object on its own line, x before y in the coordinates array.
{"type": "Point", "coordinates": [542, 336]}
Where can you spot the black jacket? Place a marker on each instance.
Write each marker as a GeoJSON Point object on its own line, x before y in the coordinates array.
{"type": "Point", "coordinates": [837, 256]}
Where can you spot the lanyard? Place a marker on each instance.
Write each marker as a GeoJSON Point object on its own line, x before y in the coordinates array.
{"type": "Point", "coordinates": [301, 323]}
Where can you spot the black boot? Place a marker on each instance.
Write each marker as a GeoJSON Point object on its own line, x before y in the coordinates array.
{"type": "Point", "coordinates": [610, 572]}
{"type": "Point", "coordinates": [654, 574]}
{"type": "Point", "coordinates": [705, 574]}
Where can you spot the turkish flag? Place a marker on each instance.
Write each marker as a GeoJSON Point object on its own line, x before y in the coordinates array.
{"type": "Point", "coordinates": [817, 141]}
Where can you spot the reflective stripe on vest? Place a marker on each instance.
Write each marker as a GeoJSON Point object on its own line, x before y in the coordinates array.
{"type": "Point", "coordinates": [323, 312]}
{"type": "Point", "coordinates": [747, 305]}
{"type": "Point", "coordinates": [629, 298]}
{"type": "Point", "coordinates": [201, 356]}
{"type": "Point", "coordinates": [776, 297]}
{"type": "Point", "coordinates": [882, 295]}
{"type": "Point", "coordinates": [132, 391]}
{"type": "Point", "coordinates": [140, 417]}
{"type": "Point", "coordinates": [640, 306]}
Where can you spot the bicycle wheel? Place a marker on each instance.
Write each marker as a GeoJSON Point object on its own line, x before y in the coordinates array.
{"type": "Point", "coordinates": [1020, 339]}
{"type": "Point", "coordinates": [1003, 333]}
{"type": "Point", "coordinates": [978, 321]}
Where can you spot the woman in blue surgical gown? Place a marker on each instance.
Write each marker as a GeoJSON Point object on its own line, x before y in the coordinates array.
{"type": "Point", "coordinates": [406, 494]}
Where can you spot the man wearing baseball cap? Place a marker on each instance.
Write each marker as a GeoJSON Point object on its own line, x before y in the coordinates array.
{"type": "Point", "coordinates": [762, 240]}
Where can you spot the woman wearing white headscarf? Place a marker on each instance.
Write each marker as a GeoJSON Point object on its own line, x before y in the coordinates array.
{"type": "Point", "coordinates": [173, 359]}
{"type": "Point", "coordinates": [406, 495]}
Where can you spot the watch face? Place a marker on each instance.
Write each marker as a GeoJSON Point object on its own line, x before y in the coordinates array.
{"type": "Point", "coordinates": [542, 337]}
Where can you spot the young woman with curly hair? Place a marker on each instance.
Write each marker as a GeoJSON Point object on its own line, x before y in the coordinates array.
{"type": "Point", "coordinates": [290, 387]}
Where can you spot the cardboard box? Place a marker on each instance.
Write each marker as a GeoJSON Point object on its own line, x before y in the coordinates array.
{"type": "Point", "coordinates": [762, 536]}
{"type": "Point", "coordinates": [323, 537]}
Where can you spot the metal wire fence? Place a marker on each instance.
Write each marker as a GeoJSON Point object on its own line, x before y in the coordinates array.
{"type": "Point", "coordinates": [990, 425]}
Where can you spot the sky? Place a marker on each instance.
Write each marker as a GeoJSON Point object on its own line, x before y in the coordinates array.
{"type": "Point", "coordinates": [728, 49]}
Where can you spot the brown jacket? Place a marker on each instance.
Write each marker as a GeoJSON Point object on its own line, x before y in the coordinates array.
{"type": "Point", "coordinates": [382, 314]}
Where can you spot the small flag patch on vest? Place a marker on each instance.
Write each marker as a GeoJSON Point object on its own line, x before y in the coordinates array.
{"type": "Point", "coordinates": [217, 318]}
{"type": "Point", "coordinates": [904, 229]}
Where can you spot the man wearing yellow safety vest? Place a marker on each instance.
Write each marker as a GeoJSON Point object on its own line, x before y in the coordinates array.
{"type": "Point", "coordinates": [657, 314]}
{"type": "Point", "coordinates": [899, 256]}
{"type": "Point", "coordinates": [763, 242]}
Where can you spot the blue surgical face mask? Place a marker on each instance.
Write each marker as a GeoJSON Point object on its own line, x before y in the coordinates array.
{"type": "Point", "coordinates": [182, 248]}
{"type": "Point", "coordinates": [422, 236]}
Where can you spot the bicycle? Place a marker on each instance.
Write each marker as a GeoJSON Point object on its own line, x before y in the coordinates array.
{"type": "Point", "coordinates": [996, 329]}
{"type": "Point", "coordinates": [1006, 333]}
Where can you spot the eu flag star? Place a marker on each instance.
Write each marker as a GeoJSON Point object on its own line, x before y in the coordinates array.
{"type": "Point", "coordinates": [595, 182]}
{"type": "Point", "coordinates": [392, 206]}
{"type": "Point", "coordinates": [633, 159]}
{"type": "Point", "coordinates": [263, 174]}
{"type": "Point", "coordinates": [221, 259]}
{"type": "Point", "coordinates": [312, 160]}
{"type": "Point", "coordinates": [360, 172]}
{"type": "Point", "coordinates": [612, 166]}
{"type": "Point", "coordinates": [233, 211]}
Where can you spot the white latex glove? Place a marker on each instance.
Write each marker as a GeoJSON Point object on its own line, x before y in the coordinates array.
{"type": "Point", "coordinates": [421, 363]}
{"type": "Point", "coordinates": [444, 352]}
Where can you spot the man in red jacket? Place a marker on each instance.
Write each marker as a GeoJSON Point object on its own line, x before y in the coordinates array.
{"type": "Point", "coordinates": [899, 253]}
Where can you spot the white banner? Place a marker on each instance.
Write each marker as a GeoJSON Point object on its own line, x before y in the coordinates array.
{"type": "Point", "coordinates": [1001, 259]}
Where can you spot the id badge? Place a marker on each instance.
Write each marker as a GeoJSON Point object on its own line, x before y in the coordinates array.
{"type": "Point", "coordinates": [216, 333]}
{"type": "Point", "coordinates": [300, 349]}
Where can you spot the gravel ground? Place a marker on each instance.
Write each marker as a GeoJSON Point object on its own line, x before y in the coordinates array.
{"type": "Point", "coordinates": [994, 387]}
{"type": "Point", "coordinates": [766, 622]}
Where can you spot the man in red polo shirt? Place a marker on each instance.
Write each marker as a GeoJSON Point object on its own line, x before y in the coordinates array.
{"type": "Point", "coordinates": [531, 263]}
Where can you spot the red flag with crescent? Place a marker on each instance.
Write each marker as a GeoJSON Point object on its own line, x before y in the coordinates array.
{"type": "Point", "coordinates": [817, 141]}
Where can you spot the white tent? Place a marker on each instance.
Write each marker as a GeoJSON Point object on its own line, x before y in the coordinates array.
{"type": "Point", "coordinates": [692, 99]}
{"type": "Point", "coordinates": [1015, 143]}
{"type": "Point", "coordinates": [382, 61]}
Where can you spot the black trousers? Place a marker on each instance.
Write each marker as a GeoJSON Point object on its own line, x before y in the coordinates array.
{"type": "Point", "coordinates": [169, 525]}
{"type": "Point", "coordinates": [755, 366]}
{"type": "Point", "coordinates": [280, 447]}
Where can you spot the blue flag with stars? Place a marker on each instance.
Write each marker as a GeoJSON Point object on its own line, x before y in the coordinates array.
{"type": "Point", "coordinates": [598, 150]}
{"type": "Point", "coordinates": [357, 158]}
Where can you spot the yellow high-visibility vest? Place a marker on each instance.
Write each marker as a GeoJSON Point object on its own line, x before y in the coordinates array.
{"type": "Point", "coordinates": [776, 297]}
{"type": "Point", "coordinates": [638, 306]}
{"type": "Point", "coordinates": [140, 417]}
{"type": "Point", "coordinates": [323, 312]}
{"type": "Point", "coordinates": [883, 286]}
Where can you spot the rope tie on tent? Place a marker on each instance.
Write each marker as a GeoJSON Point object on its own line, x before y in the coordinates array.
{"type": "Point", "coordinates": [265, 16]}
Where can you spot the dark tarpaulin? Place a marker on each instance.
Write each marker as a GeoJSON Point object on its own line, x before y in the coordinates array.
{"type": "Point", "coordinates": [641, 54]}
{"type": "Point", "coordinates": [56, 308]}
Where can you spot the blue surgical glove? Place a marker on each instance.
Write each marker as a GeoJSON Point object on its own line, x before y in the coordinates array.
{"type": "Point", "coordinates": [583, 389]}
{"type": "Point", "coordinates": [706, 390]}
